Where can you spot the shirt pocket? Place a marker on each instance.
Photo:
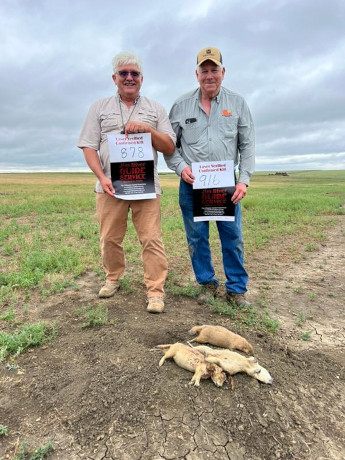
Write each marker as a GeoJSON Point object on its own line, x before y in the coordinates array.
{"type": "Point", "coordinates": [230, 126]}
{"type": "Point", "coordinates": [192, 132]}
{"type": "Point", "coordinates": [149, 117]}
{"type": "Point", "coordinates": [111, 122]}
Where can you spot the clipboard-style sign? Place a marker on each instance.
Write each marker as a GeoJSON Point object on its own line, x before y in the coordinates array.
{"type": "Point", "coordinates": [212, 190]}
{"type": "Point", "coordinates": [134, 147]}
{"type": "Point", "coordinates": [210, 174]}
{"type": "Point", "coordinates": [132, 166]}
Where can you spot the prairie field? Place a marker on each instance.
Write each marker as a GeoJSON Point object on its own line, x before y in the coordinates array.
{"type": "Point", "coordinates": [79, 375]}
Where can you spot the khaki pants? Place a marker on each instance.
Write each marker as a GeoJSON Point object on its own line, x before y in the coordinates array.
{"type": "Point", "coordinates": [112, 216]}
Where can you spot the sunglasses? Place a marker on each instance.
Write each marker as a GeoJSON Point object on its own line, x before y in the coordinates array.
{"type": "Point", "coordinates": [124, 73]}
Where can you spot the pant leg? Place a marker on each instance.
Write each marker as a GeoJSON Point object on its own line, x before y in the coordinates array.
{"type": "Point", "coordinates": [230, 234]}
{"type": "Point", "coordinates": [197, 234]}
{"type": "Point", "coordinates": [146, 215]}
{"type": "Point", "coordinates": [112, 215]}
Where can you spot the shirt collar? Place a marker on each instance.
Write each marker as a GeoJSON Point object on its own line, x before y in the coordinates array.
{"type": "Point", "coordinates": [121, 101]}
{"type": "Point", "coordinates": [217, 98]}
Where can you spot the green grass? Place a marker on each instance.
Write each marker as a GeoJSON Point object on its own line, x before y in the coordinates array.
{"type": "Point", "coordinates": [25, 337]}
{"type": "Point", "coordinates": [49, 232]}
{"type": "Point", "coordinates": [302, 318]}
{"type": "Point", "coordinates": [41, 453]}
{"type": "Point", "coordinates": [306, 336]}
{"type": "Point", "coordinates": [9, 315]}
{"type": "Point", "coordinates": [249, 316]}
{"type": "Point", "coordinates": [93, 315]}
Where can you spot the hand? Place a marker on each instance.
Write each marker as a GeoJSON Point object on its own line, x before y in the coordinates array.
{"type": "Point", "coordinates": [107, 186]}
{"type": "Point", "coordinates": [239, 193]}
{"type": "Point", "coordinates": [134, 127]}
{"type": "Point", "coordinates": [187, 175]}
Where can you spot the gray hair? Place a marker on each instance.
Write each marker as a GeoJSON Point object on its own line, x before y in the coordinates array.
{"type": "Point", "coordinates": [198, 68]}
{"type": "Point", "coordinates": [125, 58]}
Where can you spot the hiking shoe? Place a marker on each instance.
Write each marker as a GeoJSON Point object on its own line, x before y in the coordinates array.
{"type": "Point", "coordinates": [109, 289]}
{"type": "Point", "coordinates": [208, 293]}
{"type": "Point", "coordinates": [237, 299]}
{"type": "Point", "coordinates": [155, 304]}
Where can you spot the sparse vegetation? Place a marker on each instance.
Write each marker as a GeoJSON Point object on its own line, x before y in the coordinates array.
{"type": "Point", "coordinates": [302, 318]}
{"type": "Point", "coordinates": [127, 284]}
{"type": "Point", "coordinates": [9, 315]}
{"type": "Point", "coordinates": [93, 315]}
{"type": "Point", "coordinates": [249, 316]}
{"type": "Point", "coordinates": [25, 337]}
{"type": "Point", "coordinates": [40, 453]}
{"type": "Point", "coordinates": [311, 247]}
{"type": "Point", "coordinates": [184, 286]}
{"type": "Point", "coordinates": [306, 336]}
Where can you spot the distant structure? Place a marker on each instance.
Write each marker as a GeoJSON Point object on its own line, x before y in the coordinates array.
{"type": "Point", "coordinates": [279, 173]}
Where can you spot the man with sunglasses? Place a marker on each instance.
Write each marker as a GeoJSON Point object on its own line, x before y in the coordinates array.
{"type": "Point", "coordinates": [213, 123]}
{"type": "Point", "coordinates": [128, 112]}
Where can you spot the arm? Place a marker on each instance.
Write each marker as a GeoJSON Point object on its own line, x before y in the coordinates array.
{"type": "Point", "coordinates": [175, 162]}
{"type": "Point", "coordinates": [246, 148]}
{"type": "Point", "coordinates": [239, 193]}
{"type": "Point", "coordinates": [93, 163]}
{"type": "Point", "coordinates": [246, 145]}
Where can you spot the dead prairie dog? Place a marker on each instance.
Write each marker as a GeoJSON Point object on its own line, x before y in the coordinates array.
{"type": "Point", "coordinates": [194, 361]}
{"type": "Point", "coordinates": [221, 337]}
{"type": "Point", "coordinates": [233, 362]}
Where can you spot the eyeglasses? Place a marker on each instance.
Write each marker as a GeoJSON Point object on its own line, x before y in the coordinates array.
{"type": "Point", "coordinates": [125, 73]}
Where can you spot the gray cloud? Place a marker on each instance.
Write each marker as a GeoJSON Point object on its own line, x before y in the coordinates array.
{"type": "Point", "coordinates": [285, 57]}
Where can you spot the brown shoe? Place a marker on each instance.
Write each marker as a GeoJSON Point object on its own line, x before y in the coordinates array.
{"type": "Point", "coordinates": [208, 293]}
{"type": "Point", "coordinates": [109, 289]}
{"type": "Point", "coordinates": [155, 305]}
{"type": "Point", "coordinates": [237, 299]}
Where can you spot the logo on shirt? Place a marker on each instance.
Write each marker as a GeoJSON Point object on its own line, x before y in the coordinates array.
{"type": "Point", "coordinates": [190, 120]}
{"type": "Point", "coordinates": [227, 113]}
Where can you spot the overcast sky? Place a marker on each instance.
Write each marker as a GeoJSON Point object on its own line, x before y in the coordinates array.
{"type": "Point", "coordinates": [286, 57]}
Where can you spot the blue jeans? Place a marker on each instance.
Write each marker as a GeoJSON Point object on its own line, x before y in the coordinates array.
{"type": "Point", "coordinates": [230, 234]}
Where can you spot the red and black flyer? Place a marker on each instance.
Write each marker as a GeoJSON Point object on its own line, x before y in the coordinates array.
{"type": "Point", "coordinates": [133, 180]}
{"type": "Point", "coordinates": [132, 166]}
{"type": "Point", "coordinates": [213, 204]}
{"type": "Point", "coordinates": [213, 188]}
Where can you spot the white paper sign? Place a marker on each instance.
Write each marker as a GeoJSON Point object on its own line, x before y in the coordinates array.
{"type": "Point", "coordinates": [211, 174]}
{"type": "Point", "coordinates": [134, 147]}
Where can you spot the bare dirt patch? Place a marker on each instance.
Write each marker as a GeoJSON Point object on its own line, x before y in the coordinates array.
{"type": "Point", "coordinates": [98, 393]}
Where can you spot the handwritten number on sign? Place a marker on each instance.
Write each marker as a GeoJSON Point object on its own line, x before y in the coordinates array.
{"type": "Point", "coordinates": [210, 180]}
{"type": "Point", "coordinates": [134, 152]}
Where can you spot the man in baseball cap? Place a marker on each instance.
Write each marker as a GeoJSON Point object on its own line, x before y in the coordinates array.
{"type": "Point", "coordinates": [213, 124]}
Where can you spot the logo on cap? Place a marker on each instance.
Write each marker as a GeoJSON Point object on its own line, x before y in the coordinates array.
{"type": "Point", "coordinates": [212, 54]}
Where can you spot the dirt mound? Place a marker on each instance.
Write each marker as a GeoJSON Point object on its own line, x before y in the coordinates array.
{"type": "Point", "coordinates": [98, 393]}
